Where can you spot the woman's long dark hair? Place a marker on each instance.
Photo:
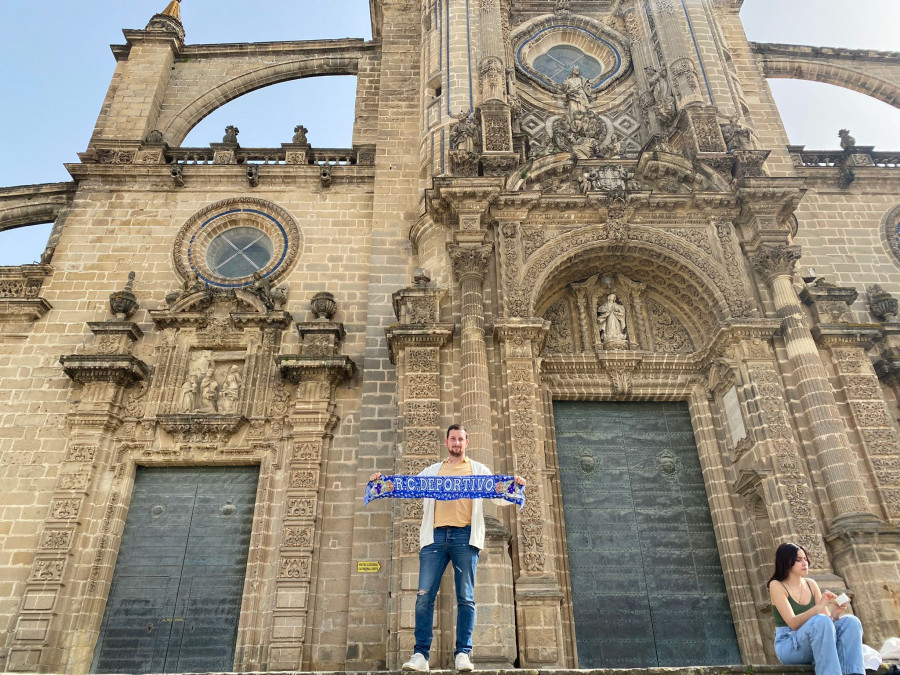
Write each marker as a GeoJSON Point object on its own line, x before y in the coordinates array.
{"type": "Point", "coordinates": [785, 557]}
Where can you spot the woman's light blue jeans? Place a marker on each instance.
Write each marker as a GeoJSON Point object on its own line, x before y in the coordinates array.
{"type": "Point", "coordinates": [451, 544]}
{"type": "Point", "coordinates": [835, 647]}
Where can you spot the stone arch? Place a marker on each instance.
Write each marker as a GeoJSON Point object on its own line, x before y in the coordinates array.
{"type": "Point", "coordinates": [177, 128]}
{"type": "Point", "coordinates": [831, 73]}
{"type": "Point", "coordinates": [32, 209]}
{"type": "Point", "coordinates": [672, 270]}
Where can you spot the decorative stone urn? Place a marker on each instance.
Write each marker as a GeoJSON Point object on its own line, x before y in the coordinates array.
{"type": "Point", "coordinates": [881, 303]}
{"type": "Point", "coordinates": [124, 303]}
{"type": "Point", "coordinates": [323, 305]}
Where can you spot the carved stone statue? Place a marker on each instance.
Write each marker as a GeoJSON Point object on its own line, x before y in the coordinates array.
{"type": "Point", "coordinates": [465, 135]}
{"type": "Point", "coordinates": [493, 79]}
{"type": "Point", "coordinates": [209, 392]}
{"type": "Point", "coordinates": [231, 389]}
{"type": "Point", "coordinates": [300, 132]}
{"type": "Point", "coordinates": [847, 141]}
{"type": "Point", "coordinates": [611, 320]}
{"type": "Point", "coordinates": [664, 102]}
{"type": "Point", "coordinates": [577, 91]}
{"type": "Point", "coordinates": [190, 391]}
{"type": "Point", "coordinates": [736, 135]}
{"type": "Point", "coordinates": [231, 134]}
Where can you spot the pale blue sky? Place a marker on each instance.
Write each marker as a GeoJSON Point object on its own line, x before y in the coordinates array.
{"type": "Point", "coordinates": [55, 65]}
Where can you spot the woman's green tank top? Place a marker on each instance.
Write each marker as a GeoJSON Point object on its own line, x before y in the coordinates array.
{"type": "Point", "coordinates": [796, 606]}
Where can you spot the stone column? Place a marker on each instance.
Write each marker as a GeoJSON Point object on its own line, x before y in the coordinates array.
{"type": "Point", "coordinates": [470, 264]}
{"type": "Point", "coordinates": [842, 482]}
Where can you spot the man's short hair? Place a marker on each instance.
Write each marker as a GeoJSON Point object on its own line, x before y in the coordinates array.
{"type": "Point", "coordinates": [457, 427]}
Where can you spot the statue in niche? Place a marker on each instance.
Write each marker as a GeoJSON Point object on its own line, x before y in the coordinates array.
{"type": "Point", "coordinates": [577, 91]}
{"type": "Point", "coordinates": [664, 102]}
{"type": "Point", "coordinates": [190, 391]}
{"type": "Point", "coordinates": [231, 389]}
{"type": "Point", "coordinates": [209, 392]}
{"type": "Point", "coordinates": [611, 320]}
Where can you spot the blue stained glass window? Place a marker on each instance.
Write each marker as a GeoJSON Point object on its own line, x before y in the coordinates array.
{"type": "Point", "coordinates": [239, 252]}
{"type": "Point", "coordinates": [559, 60]}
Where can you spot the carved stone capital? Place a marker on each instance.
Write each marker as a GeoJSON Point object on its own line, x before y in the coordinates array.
{"type": "Point", "coordinates": [470, 262]}
{"type": "Point", "coordinates": [775, 260]}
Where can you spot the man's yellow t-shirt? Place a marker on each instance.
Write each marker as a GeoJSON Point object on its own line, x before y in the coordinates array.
{"type": "Point", "coordinates": [454, 512]}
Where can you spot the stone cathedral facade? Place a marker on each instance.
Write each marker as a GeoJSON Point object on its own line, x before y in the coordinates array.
{"type": "Point", "coordinates": [574, 226]}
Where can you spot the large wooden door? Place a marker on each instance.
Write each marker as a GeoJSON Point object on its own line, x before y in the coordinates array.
{"type": "Point", "coordinates": [647, 584]}
{"type": "Point", "coordinates": [176, 593]}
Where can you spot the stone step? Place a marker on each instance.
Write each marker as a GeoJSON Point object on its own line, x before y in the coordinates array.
{"type": "Point", "coordinates": [681, 670]}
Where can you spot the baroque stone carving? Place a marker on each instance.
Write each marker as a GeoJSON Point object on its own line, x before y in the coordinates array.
{"type": "Point", "coordinates": [560, 338]}
{"type": "Point", "coordinates": [294, 568]}
{"type": "Point", "coordinates": [669, 335]}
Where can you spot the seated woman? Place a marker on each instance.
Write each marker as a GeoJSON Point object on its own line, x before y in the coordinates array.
{"type": "Point", "coordinates": [809, 626]}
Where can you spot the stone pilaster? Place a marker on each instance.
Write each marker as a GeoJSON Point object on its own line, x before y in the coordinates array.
{"type": "Point", "coordinates": [44, 632]}
{"type": "Point", "coordinates": [415, 346]}
{"type": "Point", "coordinates": [316, 372]}
{"type": "Point", "coordinates": [538, 595]}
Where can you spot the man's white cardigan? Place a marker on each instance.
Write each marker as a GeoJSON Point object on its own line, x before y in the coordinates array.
{"type": "Point", "coordinates": [476, 538]}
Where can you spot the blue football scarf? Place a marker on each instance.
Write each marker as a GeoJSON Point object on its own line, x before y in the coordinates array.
{"type": "Point", "coordinates": [446, 488]}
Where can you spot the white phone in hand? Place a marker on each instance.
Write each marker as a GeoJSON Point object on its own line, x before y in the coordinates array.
{"type": "Point", "coordinates": [842, 599]}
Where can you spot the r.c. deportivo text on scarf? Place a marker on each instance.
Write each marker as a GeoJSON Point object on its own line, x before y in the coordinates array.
{"type": "Point", "coordinates": [445, 488]}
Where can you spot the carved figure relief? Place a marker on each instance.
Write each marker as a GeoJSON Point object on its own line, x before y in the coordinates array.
{"type": "Point", "coordinates": [611, 320]}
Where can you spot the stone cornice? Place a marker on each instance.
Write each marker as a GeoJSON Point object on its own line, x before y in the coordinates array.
{"type": "Point", "coordinates": [402, 336]}
{"type": "Point", "coordinates": [121, 370]}
{"type": "Point", "coordinates": [334, 369]}
{"type": "Point", "coordinates": [862, 335]}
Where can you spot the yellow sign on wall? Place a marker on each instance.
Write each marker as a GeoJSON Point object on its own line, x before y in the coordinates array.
{"type": "Point", "coordinates": [368, 566]}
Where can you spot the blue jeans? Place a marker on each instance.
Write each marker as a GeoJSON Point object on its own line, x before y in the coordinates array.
{"type": "Point", "coordinates": [835, 647]}
{"type": "Point", "coordinates": [451, 544]}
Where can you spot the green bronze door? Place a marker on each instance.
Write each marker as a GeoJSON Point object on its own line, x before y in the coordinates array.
{"type": "Point", "coordinates": [647, 584]}
{"type": "Point", "coordinates": [176, 593]}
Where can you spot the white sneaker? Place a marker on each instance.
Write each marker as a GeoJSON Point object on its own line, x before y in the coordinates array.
{"type": "Point", "coordinates": [417, 662]}
{"type": "Point", "coordinates": [464, 663]}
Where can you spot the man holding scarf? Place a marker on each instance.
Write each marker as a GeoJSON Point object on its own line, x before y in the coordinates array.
{"type": "Point", "coordinates": [451, 531]}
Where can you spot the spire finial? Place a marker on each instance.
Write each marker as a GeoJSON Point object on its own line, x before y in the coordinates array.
{"type": "Point", "coordinates": [173, 9]}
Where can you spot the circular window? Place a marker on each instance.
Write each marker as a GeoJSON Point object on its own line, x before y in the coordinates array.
{"type": "Point", "coordinates": [239, 252]}
{"type": "Point", "coordinates": [230, 242]}
{"type": "Point", "coordinates": [558, 62]}
{"type": "Point", "coordinates": [548, 48]}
